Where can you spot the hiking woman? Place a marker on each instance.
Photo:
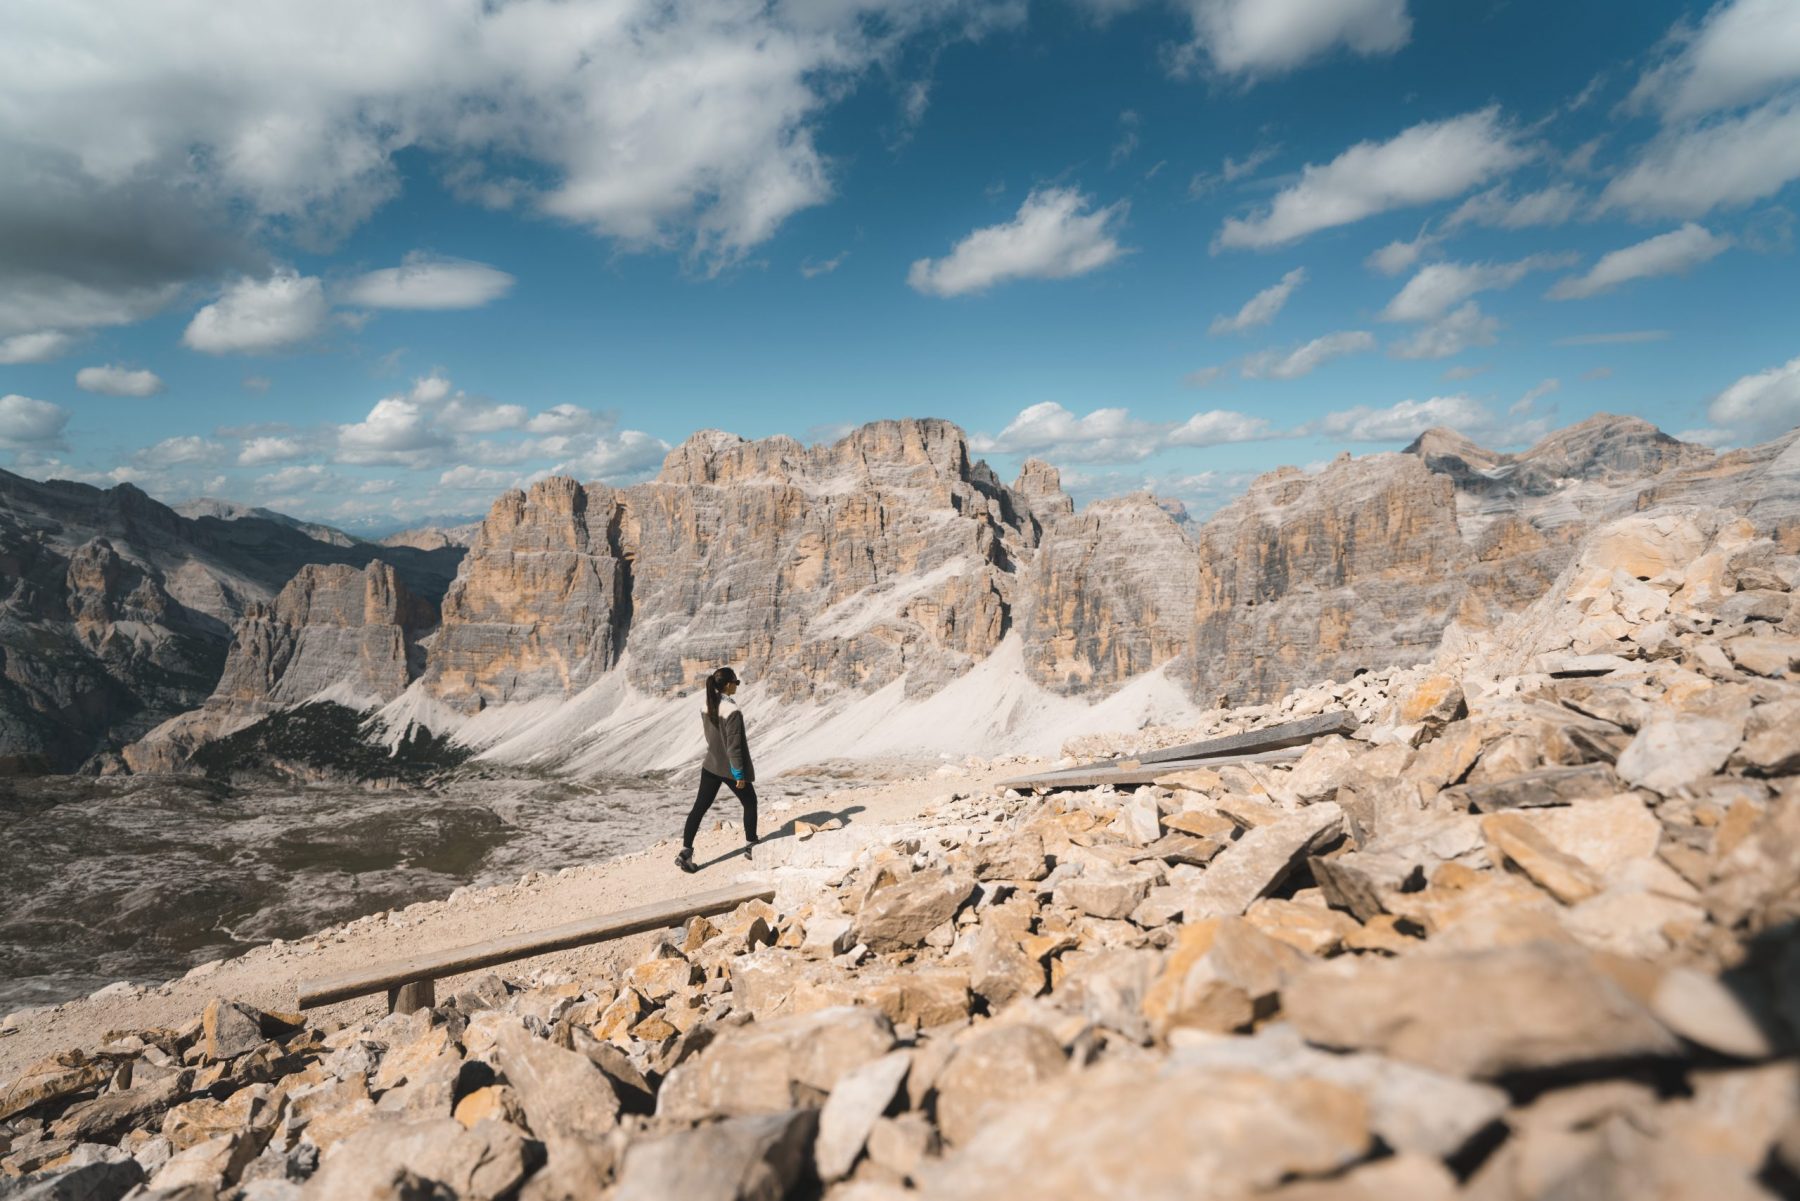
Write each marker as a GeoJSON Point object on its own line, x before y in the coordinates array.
{"type": "Point", "coordinates": [727, 762]}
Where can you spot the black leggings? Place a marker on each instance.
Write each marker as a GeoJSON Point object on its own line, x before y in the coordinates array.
{"type": "Point", "coordinates": [709, 788]}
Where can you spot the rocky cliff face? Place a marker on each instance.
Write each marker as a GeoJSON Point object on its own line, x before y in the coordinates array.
{"type": "Point", "coordinates": [1357, 567]}
{"type": "Point", "coordinates": [1110, 594]}
{"type": "Point", "coordinates": [116, 612]}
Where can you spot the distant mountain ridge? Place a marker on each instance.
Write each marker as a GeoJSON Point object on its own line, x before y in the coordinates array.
{"type": "Point", "coordinates": [852, 583]}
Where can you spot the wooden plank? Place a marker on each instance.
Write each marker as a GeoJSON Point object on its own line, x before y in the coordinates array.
{"type": "Point", "coordinates": [1136, 771]}
{"type": "Point", "coordinates": [435, 965]}
{"type": "Point", "coordinates": [1270, 738]}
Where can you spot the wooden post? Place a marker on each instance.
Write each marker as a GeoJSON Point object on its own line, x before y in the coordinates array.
{"type": "Point", "coordinates": [419, 994]}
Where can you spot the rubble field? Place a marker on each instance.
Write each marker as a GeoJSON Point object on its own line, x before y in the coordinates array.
{"type": "Point", "coordinates": [1528, 933]}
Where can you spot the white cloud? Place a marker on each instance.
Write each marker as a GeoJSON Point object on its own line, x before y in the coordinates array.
{"type": "Point", "coordinates": [309, 478]}
{"type": "Point", "coordinates": [1103, 436]}
{"type": "Point", "coordinates": [1217, 427]}
{"type": "Point", "coordinates": [1462, 329]}
{"type": "Point", "coordinates": [25, 422]}
{"type": "Point", "coordinates": [1761, 405]}
{"type": "Point", "coordinates": [1435, 160]}
{"type": "Point", "coordinates": [1673, 253]}
{"type": "Point", "coordinates": [1716, 438]}
{"type": "Point", "coordinates": [1113, 435]}
{"type": "Point", "coordinates": [1406, 420]}
{"type": "Point", "coordinates": [1397, 256]}
{"type": "Point", "coordinates": [1743, 51]}
{"type": "Point", "coordinates": [1273, 364]}
{"type": "Point", "coordinates": [617, 459]}
{"type": "Point", "coordinates": [483, 479]}
{"type": "Point", "coordinates": [259, 316]}
{"type": "Point", "coordinates": [1553, 205]}
{"type": "Point", "coordinates": [1054, 236]}
{"type": "Point", "coordinates": [1532, 395]}
{"type": "Point", "coordinates": [1232, 170]}
{"type": "Point", "coordinates": [180, 451]}
{"type": "Point", "coordinates": [258, 452]}
{"type": "Point", "coordinates": [1204, 377]}
{"type": "Point", "coordinates": [1437, 289]}
{"type": "Point", "coordinates": [399, 430]}
{"type": "Point", "coordinates": [257, 383]}
{"type": "Point", "coordinates": [813, 268]}
{"type": "Point", "coordinates": [118, 381]}
{"type": "Point", "coordinates": [1127, 144]}
{"type": "Point", "coordinates": [1623, 337]}
{"type": "Point", "coordinates": [657, 123]}
{"type": "Point", "coordinates": [1261, 308]}
{"type": "Point", "coordinates": [40, 346]}
{"type": "Point", "coordinates": [1268, 37]}
{"type": "Point", "coordinates": [424, 281]}
{"type": "Point", "coordinates": [1728, 163]}
{"type": "Point", "coordinates": [1463, 371]}
{"type": "Point", "coordinates": [562, 419]}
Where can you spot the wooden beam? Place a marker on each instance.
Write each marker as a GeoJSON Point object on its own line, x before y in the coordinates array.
{"type": "Point", "coordinates": [1289, 733]}
{"type": "Point", "coordinates": [396, 976]}
{"type": "Point", "coordinates": [1136, 771]}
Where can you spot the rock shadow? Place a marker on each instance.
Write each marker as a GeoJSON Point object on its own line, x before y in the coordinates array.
{"type": "Point", "coordinates": [787, 830]}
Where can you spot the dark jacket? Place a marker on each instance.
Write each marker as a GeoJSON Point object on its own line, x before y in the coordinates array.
{"type": "Point", "coordinates": [726, 745]}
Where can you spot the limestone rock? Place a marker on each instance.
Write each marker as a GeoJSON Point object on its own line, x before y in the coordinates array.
{"type": "Point", "coordinates": [1481, 1014]}
{"type": "Point", "coordinates": [1104, 893]}
{"type": "Point", "coordinates": [1674, 750]}
{"type": "Point", "coordinates": [903, 913]}
{"type": "Point", "coordinates": [1257, 863]}
{"type": "Point", "coordinates": [1222, 974]}
{"type": "Point", "coordinates": [993, 1066]}
{"type": "Point", "coordinates": [485, 1162]}
{"type": "Point", "coordinates": [1181, 1136]}
{"type": "Point", "coordinates": [858, 1101]}
{"type": "Point", "coordinates": [755, 1158]}
{"type": "Point", "coordinates": [770, 1067]}
{"type": "Point", "coordinates": [562, 1092]}
{"type": "Point", "coordinates": [1519, 843]}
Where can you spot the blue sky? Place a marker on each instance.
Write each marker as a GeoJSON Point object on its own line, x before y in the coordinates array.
{"type": "Point", "coordinates": [374, 264]}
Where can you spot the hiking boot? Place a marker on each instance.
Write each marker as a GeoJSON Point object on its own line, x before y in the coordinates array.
{"type": "Point", "coordinates": [685, 860]}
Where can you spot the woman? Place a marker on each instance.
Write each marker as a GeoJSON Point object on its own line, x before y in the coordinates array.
{"type": "Point", "coordinates": [727, 761]}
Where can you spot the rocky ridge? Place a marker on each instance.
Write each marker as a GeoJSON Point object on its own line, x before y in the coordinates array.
{"type": "Point", "coordinates": [1530, 932]}
{"type": "Point", "coordinates": [827, 573]}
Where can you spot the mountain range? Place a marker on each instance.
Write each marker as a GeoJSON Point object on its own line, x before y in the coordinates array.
{"type": "Point", "coordinates": [883, 594]}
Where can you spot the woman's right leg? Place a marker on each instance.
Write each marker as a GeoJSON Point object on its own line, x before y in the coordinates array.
{"type": "Point", "coordinates": [709, 788]}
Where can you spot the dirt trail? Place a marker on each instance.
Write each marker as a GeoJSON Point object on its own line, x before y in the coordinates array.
{"type": "Point", "coordinates": [269, 976]}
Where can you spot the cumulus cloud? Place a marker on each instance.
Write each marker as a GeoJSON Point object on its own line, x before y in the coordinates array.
{"type": "Point", "coordinates": [1553, 205]}
{"type": "Point", "coordinates": [1055, 235]}
{"type": "Point", "coordinates": [1261, 308]}
{"type": "Point", "coordinates": [1724, 163]}
{"type": "Point", "coordinates": [1274, 364]}
{"type": "Point", "coordinates": [1435, 160]}
{"type": "Point", "coordinates": [687, 124]}
{"type": "Point", "coordinates": [255, 316]}
{"type": "Point", "coordinates": [1742, 52]}
{"type": "Point", "coordinates": [424, 281]}
{"type": "Point", "coordinates": [183, 450]}
{"type": "Point", "coordinates": [1113, 435]}
{"type": "Point", "coordinates": [1269, 37]}
{"type": "Point", "coordinates": [1406, 420]}
{"type": "Point", "coordinates": [1397, 256]}
{"type": "Point", "coordinates": [399, 430]}
{"type": "Point", "coordinates": [261, 451]}
{"type": "Point", "coordinates": [1450, 335]}
{"type": "Point", "coordinates": [1673, 253]}
{"type": "Point", "coordinates": [30, 424]}
{"type": "Point", "coordinates": [1761, 405]}
{"type": "Point", "coordinates": [563, 419]}
{"type": "Point", "coordinates": [311, 477]}
{"type": "Point", "coordinates": [41, 346]}
{"type": "Point", "coordinates": [465, 477]}
{"type": "Point", "coordinates": [118, 381]}
{"type": "Point", "coordinates": [1437, 289]}
{"type": "Point", "coordinates": [616, 458]}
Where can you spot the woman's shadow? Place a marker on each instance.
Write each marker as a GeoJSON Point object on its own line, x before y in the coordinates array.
{"type": "Point", "coordinates": [787, 830]}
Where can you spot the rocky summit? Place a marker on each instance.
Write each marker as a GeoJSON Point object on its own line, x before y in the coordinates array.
{"type": "Point", "coordinates": [892, 559]}
{"type": "Point", "coordinates": [1527, 930]}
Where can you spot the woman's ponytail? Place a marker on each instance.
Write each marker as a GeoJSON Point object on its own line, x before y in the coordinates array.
{"type": "Point", "coordinates": [712, 693]}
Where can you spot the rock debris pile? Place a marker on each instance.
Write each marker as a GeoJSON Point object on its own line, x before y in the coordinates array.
{"type": "Point", "coordinates": [1529, 933]}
